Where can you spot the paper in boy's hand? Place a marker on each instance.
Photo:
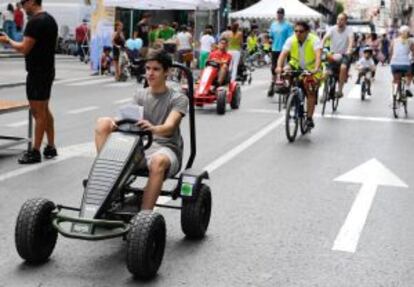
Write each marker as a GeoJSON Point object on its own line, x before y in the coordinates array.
{"type": "Point", "coordinates": [131, 112]}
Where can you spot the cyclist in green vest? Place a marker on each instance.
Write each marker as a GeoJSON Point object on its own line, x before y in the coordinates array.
{"type": "Point", "coordinates": [305, 51]}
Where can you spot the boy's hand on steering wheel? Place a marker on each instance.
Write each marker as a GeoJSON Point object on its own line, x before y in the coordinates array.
{"type": "Point", "coordinates": [145, 125]}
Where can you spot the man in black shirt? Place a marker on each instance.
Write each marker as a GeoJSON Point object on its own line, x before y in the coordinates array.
{"type": "Point", "coordinates": [142, 31]}
{"type": "Point", "coordinates": [38, 46]}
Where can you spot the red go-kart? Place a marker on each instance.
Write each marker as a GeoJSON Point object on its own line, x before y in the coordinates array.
{"type": "Point", "coordinates": [208, 91]}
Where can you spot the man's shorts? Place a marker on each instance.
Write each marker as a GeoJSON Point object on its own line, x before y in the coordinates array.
{"type": "Point", "coordinates": [157, 150]}
{"type": "Point", "coordinates": [400, 69]}
{"type": "Point", "coordinates": [39, 86]}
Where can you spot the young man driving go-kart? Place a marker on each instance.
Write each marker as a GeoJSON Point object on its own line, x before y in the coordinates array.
{"type": "Point", "coordinates": [305, 51]}
{"type": "Point", "coordinates": [221, 56]}
{"type": "Point", "coordinates": [163, 110]}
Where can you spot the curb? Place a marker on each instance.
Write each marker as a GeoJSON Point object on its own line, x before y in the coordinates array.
{"type": "Point", "coordinates": [12, 85]}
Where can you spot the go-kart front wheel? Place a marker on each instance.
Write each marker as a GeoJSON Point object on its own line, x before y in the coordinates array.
{"type": "Point", "coordinates": [235, 100]}
{"type": "Point", "coordinates": [195, 213]}
{"type": "Point", "coordinates": [221, 102]}
{"type": "Point", "coordinates": [35, 236]}
{"type": "Point", "coordinates": [146, 244]}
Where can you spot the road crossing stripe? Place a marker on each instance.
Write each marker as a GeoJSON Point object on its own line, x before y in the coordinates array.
{"type": "Point", "coordinates": [18, 124]}
{"type": "Point", "coordinates": [243, 146]}
{"type": "Point", "coordinates": [83, 110]}
{"type": "Point", "coordinates": [368, 119]}
{"type": "Point", "coordinates": [92, 82]}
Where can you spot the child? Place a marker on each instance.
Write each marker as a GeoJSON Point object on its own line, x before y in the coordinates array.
{"type": "Point", "coordinates": [365, 65]}
{"type": "Point", "coordinates": [106, 61]}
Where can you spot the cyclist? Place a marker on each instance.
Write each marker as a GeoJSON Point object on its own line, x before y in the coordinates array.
{"type": "Point", "coordinates": [305, 51]}
{"type": "Point", "coordinates": [280, 30]}
{"type": "Point", "coordinates": [401, 48]}
{"type": "Point", "coordinates": [366, 65]}
{"type": "Point", "coordinates": [341, 38]}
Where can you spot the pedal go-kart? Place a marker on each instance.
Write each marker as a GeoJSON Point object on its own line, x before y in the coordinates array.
{"type": "Point", "coordinates": [209, 92]}
{"type": "Point", "coordinates": [110, 204]}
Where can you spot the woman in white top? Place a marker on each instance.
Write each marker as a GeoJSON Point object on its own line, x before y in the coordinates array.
{"type": "Point", "coordinates": [184, 46]}
{"type": "Point", "coordinates": [401, 49]}
{"type": "Point", "coordinates": [207, 41]}
{"type": "Point", "coordinates": [9, 26]}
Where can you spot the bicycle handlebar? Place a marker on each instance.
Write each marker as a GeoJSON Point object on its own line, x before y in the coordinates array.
{"type": "Point", "coordinates": [137, 132]}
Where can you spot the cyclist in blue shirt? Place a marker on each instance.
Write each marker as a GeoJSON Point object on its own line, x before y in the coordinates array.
{"type": "Point", "coordinates": [280, 30]}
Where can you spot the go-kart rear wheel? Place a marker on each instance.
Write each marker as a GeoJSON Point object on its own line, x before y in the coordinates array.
{"type": "Point", "coordinates": [146, 244]}
{"type": "Point", "coordinates": [195, 213]}
{"type": "Point", "coordinates": [221, 102]}
{"type": "Point", "coordinates": [235, 100]}
{"type": "Point", "coordinates": [35, 236]}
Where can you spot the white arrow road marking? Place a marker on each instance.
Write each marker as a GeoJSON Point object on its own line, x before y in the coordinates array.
{"type": "Point", "coordinates": [370, 174]}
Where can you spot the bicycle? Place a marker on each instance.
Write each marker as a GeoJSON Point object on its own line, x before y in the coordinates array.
{"type": "Point", "coordinates": [281, 87]}
{"type": "Point", "coordinates": [399, 98]}
{"type": "Point", "coordinates": [330, 82]}
{"type": "Point", "coordinates": [365, 83]}
{"type": "Point", "coordinates": [296, 107]}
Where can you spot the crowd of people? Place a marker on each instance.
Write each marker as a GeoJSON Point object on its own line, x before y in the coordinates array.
{"type": "Point", "coordinates": [13, 21]}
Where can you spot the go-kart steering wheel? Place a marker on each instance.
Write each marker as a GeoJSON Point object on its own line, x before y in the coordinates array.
{"type": "Point", "coordinates": [136, 131]}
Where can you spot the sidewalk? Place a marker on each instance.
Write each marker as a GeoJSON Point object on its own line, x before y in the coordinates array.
{"type": "Point", "coordinates": [13, 73]}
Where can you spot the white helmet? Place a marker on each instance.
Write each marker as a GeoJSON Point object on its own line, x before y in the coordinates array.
{"type": "Point", "coordinates": [404, 29]}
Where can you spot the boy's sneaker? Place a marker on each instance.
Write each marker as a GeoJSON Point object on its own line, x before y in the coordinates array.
{"type": "Point", "coordinates": [49, 152]}
{"type": "Point", "coordinates": [30, 156]}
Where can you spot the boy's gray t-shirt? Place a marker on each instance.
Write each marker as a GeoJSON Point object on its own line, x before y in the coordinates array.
{"type": "Point", "coordinates": [157, 108]}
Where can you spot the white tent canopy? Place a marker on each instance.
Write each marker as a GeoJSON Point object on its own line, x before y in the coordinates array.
{"type": "Point", "coordinates": [266, 9]}
{"type": "Point", "coordinates": [165, 5]}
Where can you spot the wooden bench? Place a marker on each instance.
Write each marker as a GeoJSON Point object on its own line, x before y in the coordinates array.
{"type": "Point", "coordinates": [7, 106]}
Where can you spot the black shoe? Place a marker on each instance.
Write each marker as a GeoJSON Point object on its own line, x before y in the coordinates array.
{"type": "Point", "coordinates": [31, 156]}
{"type": "Point", "coordinates": [408, 93]}
{"type": "Point", "coordinates": [358, 82]}
{"type": "Point", "coordinates": [369, 92]}
{"type": "Point", "coordinates": [309, 123]}
{"type": "Point", "coordinates": [49, 152]}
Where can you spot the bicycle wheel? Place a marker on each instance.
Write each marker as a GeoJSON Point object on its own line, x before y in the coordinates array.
{"type": "Point", "coordinates": [326, 96]}
{"type": "Point", "coordinates": [302, 117]}
{"type": "Point", "coordinates": [335, 98]}
{"type": "Point", "coordinates": [396, 104]}
{"type": "Point", "coordinates": [291, 117]}
{"type": "Point", "coordinates": [363, 88]}
{"type": "Point", "coordinates": [280, 96]}
{"type": "Point", "coordinates": [405, 107]}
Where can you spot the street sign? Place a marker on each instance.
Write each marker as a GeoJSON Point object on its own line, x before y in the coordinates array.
{"type": "Point", "coordinates": [371, 175]}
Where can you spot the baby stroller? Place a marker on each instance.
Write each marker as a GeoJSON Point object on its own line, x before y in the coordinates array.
{"type": "Point", "coordinates": [245, 69]}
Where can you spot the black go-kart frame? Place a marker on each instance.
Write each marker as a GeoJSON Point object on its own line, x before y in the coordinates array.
{"type": "Point", "coordinates": [110, 204]}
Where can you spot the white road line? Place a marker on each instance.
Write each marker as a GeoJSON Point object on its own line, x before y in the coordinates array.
{"type": "Point", "coordinates": [368, 119]}
{"type": "Point", "coordinates": [123, 101]}
{"type": "Point", "coordinates": [82, 110]}
{"type": "Point", "coordinates": [243, 146]}
{"type": "Point", "coordinates": [74, 80]}
{"type": "Point", "coordinates": [18, 124]}
{"type": "Point", "coordinates": [121, 85]}
{"type": "Point", "coordinates": [260, 111]}
{"type": "Point", "coordinates": [92, 82]}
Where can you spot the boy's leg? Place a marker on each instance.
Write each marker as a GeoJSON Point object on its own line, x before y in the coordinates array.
{"type": "Point", "coordinates": [104, 127]}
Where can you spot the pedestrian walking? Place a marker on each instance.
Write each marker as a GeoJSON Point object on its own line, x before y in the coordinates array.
{"type": "Point", "coordinates": [82, 35]}
{"type": "Point", "coordinates": [385, 49]}
{"type": "Point", "coordinates": [19, 17]}
{"type": "Point", "coordinates": [235, 39]}
{"type": "Point", "coordinates": [207, 42]}
{"type": "Point", "coordinates": [280, 30]}
{"type": "Point", "coordinates": [38, 46]}
{"type": "Point", "coordinates": [9, 26]}
{"type": "Point", "coordinates": [184, 46]}
{"type": "Point", "coordinates": [142, 31]}
{"type": "Point", "coordinates": [118, 42]}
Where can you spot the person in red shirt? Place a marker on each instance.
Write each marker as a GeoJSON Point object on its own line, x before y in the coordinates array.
{"type": "Point", "coordinates": [82, 39]}
{"type": "Point", "coordinates": [19, 17]}
{"type": "Point", "coordinates": [221, 56]}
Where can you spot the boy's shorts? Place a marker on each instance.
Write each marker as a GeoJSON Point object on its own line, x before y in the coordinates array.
{"type": "Point", "coordinates": [156, 150]}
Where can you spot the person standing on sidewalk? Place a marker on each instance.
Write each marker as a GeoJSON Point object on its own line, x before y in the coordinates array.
{"type": "Point", "coordinates": [235, 39]}
{"type": "Point", "coordinates": [38, 46]}
{"type": "Point", "coordinates": [280, 30]}
{"type": "Point", "coordinates": [9, 26]}
{"type": "Point", "coordinates": [142, 31]}
{"type": "Point", "coordinates": [19, 21]}
{"type": "Point", "coordinates": [82, 36]}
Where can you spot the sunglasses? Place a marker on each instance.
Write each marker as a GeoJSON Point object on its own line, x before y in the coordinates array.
{"type": "Point", "coordinates": [299, 31]}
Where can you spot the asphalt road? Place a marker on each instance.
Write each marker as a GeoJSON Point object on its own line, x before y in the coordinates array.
{"type": "Point", "coordinates": [282, 213]}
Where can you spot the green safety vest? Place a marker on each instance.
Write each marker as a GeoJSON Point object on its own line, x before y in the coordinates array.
{"type": "Point", "coordinates": [308, 57]}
